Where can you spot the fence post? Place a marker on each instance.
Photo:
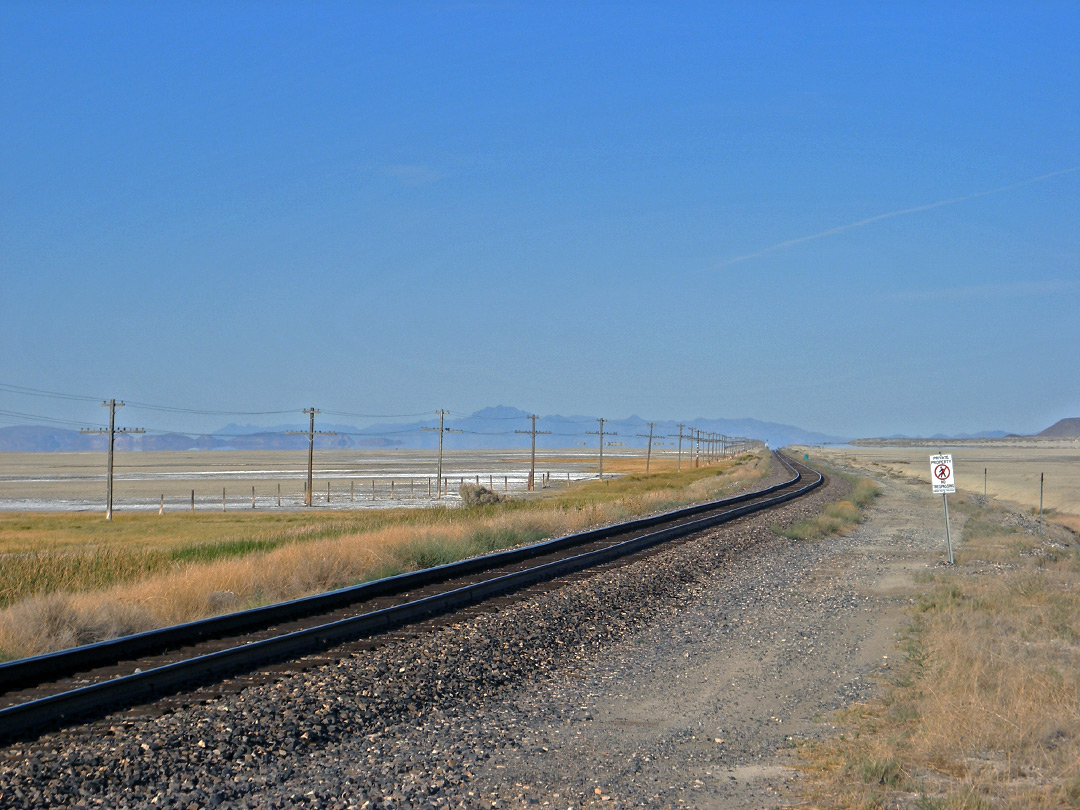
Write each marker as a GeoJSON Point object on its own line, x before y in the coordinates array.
{"type": "Point", "coordinates": [193, 502]}
{"type": "Point", "coordinates": [223, 499]}
{"type": "Point", "coordinates": [161, 509]}
{"type": "Point", "coordinates": [1041, 476]}
{"type": "Point", "coordinates": [279, 494]}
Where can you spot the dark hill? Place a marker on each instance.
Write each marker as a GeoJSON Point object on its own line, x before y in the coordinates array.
{"type": "Point", "coordinates": [1065, 429]}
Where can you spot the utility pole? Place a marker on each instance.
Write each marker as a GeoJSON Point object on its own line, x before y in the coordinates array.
{"type": "Point", "coordinates": [112, 405]}
{"type": "Point", "coordinates": [648, 454]}
{"type": "Point", "coordinates": [681, 429]}
{"type": "Point", "coordinates": [442, 430]}
{"type": "Point", "coordinates": [601, 434]}
{"type": "Point", "coordinates": [533, 432]}
{"type": "Point", "coordinates": [310, 433]}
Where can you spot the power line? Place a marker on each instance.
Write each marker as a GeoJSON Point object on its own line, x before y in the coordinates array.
{"type": "Point", "coordinates": [377, 415]}
{"type": "Point", "coordinates": [47, 419]}
{"type": "Point", "coordinates": [308, 499]}
{"type": "Point", "coordinates": [200, 412]}
{"type": "Point", "coordinates": [37, 392]}
{"type": "Point", "coordinates": [442, 414]}
{"type": "Point", "coordinates": [112, 405]}
{"type": "Point", "coordinates": [648, 455]}
{"type": "Point", "coordinates": [601, 434]}
{"type": "Point", "coordinates": [532, 464]}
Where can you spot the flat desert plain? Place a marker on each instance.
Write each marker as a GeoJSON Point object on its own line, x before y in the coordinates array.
{"type": "Point", "coordinates": [76, 481]}
{"type": "Point", "coordinates": [1012, 469]}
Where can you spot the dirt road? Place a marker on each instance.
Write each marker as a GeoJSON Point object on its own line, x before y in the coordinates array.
{"type": "Point", "coordinates": [699, 709]}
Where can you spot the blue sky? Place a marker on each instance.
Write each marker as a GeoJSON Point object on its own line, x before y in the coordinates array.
{"type": "Point", "coordinates": [588, 208]}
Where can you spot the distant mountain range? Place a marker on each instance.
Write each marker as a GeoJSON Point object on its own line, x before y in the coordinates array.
{"type": "Point", "coordinates": [986, 434]}
{"type": "Point", "coordinates": [499, 427]}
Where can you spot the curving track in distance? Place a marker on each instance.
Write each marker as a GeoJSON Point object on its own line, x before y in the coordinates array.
{"type": "Point", "coordinates": [57, 689]}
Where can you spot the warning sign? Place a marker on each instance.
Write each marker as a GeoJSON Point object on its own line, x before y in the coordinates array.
{"type": "Point", "coordinates": [941, 474]}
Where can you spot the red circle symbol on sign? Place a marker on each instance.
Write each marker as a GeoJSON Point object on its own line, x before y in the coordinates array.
{"type": "Point", "coordinates": [942, 472]}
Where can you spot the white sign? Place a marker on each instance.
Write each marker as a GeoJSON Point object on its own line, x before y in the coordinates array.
{"type": "Point", "coordinates": [941, 474]}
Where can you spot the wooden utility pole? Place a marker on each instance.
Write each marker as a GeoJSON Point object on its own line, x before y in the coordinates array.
{"type": "Point", "coordinates": [310, 433]}
{"type": "Point", "coordinates": [648, 454]}
{"type": "Point", "coordinates": [442, 430]}
{"type": "Point", "coordinates": [681, 429]}
{"type": "Point", "coordinates": [112, 405]}
{"type": "Point", "coordinates": [533, 432]}
{"type": "Point", "coordinates": [601, 434]}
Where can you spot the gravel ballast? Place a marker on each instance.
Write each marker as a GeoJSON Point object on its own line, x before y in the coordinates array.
{"type": "Point", "coordinates": [670, 680]}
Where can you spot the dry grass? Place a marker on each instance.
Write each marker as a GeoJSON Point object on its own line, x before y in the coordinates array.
{"type": "Point", "coordinates": [837, 517]}
{"type": "Point", "coordinates": [635, 465]}
{"type": "Point", "coordinates": [72, 579]}
{"type": "Point", "coordinates": [986, 710]}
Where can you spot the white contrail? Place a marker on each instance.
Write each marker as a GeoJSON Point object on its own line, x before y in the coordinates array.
{"type": "Point", "coordinates": [901, 212]}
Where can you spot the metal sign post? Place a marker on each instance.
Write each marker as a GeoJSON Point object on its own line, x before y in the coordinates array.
{"type": "Point", "coordinates": [942, 481]}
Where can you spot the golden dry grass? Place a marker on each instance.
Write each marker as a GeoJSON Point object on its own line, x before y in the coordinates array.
{"type": "Point", "coordinates": [75, 579]}
{"type": "Point", "coordinates": [985, 712]}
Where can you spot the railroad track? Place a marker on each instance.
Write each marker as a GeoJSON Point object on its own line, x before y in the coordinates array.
{"type": "Point", "coordinates": [57, 689]}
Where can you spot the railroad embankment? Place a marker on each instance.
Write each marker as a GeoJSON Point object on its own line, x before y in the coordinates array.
{"type": "Point", "coordinates": [75, 579]}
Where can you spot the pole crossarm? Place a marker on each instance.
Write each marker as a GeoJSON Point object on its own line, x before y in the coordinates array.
{"type": "Point", "coordinates": [601, 433]}
{"type": "Point", "coordinates": [112, 430]}
{"type": "Point", "coordinates": [649, 436]}
{"type": "Point", "coordinates": [534, 433]}
{"type": "Point", "coordinates": [680, 436]}
{"type": "Point", "coordinates": [442, 430]}
{"type": "Point", "coordinates": [311, 433]}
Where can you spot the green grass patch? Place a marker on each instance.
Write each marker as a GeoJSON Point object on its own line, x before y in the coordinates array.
{"type": "Point", "coordinates": [837, 517]}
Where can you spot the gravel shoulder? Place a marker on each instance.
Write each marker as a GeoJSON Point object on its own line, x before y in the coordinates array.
{"type": "Point", "coordinates": [668, 682]}
{"type": "Point", "coordinates": [700, 708]}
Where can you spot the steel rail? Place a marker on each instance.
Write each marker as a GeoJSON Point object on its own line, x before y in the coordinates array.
{"type": "Point", "coordinates": [49, 666]}
{"type": "Point", "coordinates": [55, 710]}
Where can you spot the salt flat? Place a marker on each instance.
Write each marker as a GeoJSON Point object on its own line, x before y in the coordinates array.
{"type": "Point", "coordinates": [76, 481]}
